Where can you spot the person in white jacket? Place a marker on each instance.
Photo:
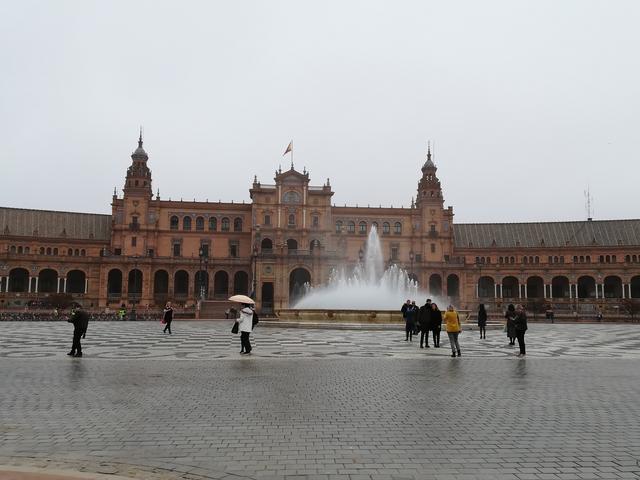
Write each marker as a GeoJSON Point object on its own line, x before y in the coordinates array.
{"type": "Point", "coordinates": [245, 325]}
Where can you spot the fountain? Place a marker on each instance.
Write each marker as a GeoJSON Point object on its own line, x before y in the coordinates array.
{"type": "Point", "coordinates": [370, 294]}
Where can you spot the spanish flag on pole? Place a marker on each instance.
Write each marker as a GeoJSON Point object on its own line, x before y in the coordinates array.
{"type": "Point", "coordinates": [289, 148]}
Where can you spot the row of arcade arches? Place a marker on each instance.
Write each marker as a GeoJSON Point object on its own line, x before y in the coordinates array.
{"type": "Point", "coordinates": [181, 280]}
{"type": "Point", "coordinates": [47, 280]}
{"type": "Point", "coordinates": [560, 287]}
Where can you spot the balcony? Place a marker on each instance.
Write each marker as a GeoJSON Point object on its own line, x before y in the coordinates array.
{"type": "Point", "coordinates": [134, 227]}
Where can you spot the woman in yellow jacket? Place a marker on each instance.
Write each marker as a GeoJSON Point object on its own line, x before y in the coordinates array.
{"type": "Point", "coordinates": [452, 322]}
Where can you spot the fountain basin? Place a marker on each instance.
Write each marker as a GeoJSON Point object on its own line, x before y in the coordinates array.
{"type": "Point", "coordinates": [340, 316]}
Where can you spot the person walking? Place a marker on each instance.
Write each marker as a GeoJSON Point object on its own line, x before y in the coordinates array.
{"type": "Point", "coordinates": [436, 324]}
{"type": "Point", "coordinates": [482, 321]}
{"type": "Point", "coordinates": [424, 320]}
{"type": "Point", "coordinates": [520, 327]}
{"type": "Point", "coordinates": [167, 318]}
{"type": "Point", "coordinates": [510, 315]}
{"type": "Point", "coordinates": [80, 320]}
{"type": "Point", "coordinates": [406, 316]}
{"type": "Point", "coordinates": [452, 322]}
{"type": "Point", "coordinates": [245, 326]}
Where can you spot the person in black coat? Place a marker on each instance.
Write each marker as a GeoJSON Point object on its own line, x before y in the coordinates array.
{"type": "Point", "coordinates": [482, 321]}
{"type": "Point", "coordinates": [520, 326]}
{"type": "Point", "coordinates": [406, 316]}
{"type": "Point", "coordinates": [167, 318]}
{"type": "Point", "coordinates": [424, 320]}
{"type": "Point", "coordinates": [80, 320]}
{"type": "Point", "coordinates": [436, 324]}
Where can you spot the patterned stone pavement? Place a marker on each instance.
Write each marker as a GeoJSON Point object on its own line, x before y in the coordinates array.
{"type": "Point", "coordinates": [321, 404]}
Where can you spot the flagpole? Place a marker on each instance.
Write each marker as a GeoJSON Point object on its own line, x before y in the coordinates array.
{"type": "Point", "coordinates": [291, 154]}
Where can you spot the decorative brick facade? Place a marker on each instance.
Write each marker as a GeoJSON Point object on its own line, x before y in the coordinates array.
{"type": "Point", "coordinates": [150, 250]}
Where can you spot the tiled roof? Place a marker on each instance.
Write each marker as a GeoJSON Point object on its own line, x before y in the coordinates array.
{"type": "Point", "coordinates": [548, 234]}
{"type": "Point", "coordinates": [50, 224]}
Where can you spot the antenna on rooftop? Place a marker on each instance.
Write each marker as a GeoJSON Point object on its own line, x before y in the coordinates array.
{"type": "Point", "coordinates": [588, 200]}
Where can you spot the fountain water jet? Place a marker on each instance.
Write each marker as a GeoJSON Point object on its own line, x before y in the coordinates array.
{"type": "Point", "coordinates": [370, 293]}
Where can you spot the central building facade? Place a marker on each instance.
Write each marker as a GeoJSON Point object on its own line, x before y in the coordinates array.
{"type": "Point", "coordinates": [150, 250]}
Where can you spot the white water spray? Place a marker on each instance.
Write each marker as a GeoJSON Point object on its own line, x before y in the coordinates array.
{"type": "Point", "coordinates": [370, 286]}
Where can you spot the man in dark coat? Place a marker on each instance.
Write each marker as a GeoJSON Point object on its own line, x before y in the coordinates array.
{"type": "Point", "coordinates": [80, 320]}
{"type": "Point", "coordinates": [424, 319]}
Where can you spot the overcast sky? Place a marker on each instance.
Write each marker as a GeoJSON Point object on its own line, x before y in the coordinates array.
{"type": "Point", "coordinates": [528, 103]}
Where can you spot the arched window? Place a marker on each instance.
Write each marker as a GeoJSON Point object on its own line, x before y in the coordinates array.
{"type": "Point", "coordinates": [225, 224]}
{"type": "Point", "coordinates": [627, 258]}
{"type": "Point", "coordinates": [351, 227]}
{"type": "Point", "coordinates": [292, 220]}
{"type": "Point", "coordinates": [55, 251]}
{"type": "Point", "coordinates": [338, 226]}
{"type": "Point", "coordinates": [362, 227]}
{"type": "Point", "coordinates": [70, 252]}
{"type": "Point", "coordinates": [525, 260]}
{"type": "Point", "coordinates": [386, 228]}
{"type": "Point", "coordinates": [374, 225]}
{"type": "Point", "coordinates": [76, 252]}
{"type": "Point", "coordinates": [83, 252]}
{"type": "Point", "coordinates": [173, 223]}
{"type": "Point", "coordinates": [588, 258]}
{"type": "Point", "coordinates": [26, 249]}
{"type": "Point", "coordinates": [48, 250]}
{"type": "Point", "coordinates": [199, 224]}
{"type": "Point", "coordinates": [213, 224]}
{"type": "Point", "coordinates": [537, 259]}
{"type": "Point", "coordinates": [42, 250]}
{"type": "Point", "coordinates": [398, 228]}
{"type": "Point", "coordinates": [20, 249]}
{"type": "Point", "coordinates": [237, 224]}
{"type": "Point", "coordinates": [186, 223]}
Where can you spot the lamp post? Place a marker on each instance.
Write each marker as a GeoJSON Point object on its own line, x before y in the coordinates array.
{"type": "Point", "coordinates": [203, 256]}
{"type": "Point", "coordinates": [255, 264]}
{"type": "Point", "coordinates": [134, 297]}
{"type": "Point", "coordinates": [411, 257]}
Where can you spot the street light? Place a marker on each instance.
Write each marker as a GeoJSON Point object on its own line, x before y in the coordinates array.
{"type": "Point", "coordinates": [411, 257]}
{"type": "Point", "coordinates": [255, 264]}
{"type": "Point", "coordinates": [203, 256]}
{"type": "Point", "coordinates": [134, 297]}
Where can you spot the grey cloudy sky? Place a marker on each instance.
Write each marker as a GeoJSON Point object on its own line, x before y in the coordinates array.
{"type": "Point", "coordinates": [528, 102]}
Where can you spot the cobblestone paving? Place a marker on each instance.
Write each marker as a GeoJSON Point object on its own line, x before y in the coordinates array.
{"type": "Point", "coordinates": [348, 405]}
{"type": "Point", "coordinates": [213, 339]}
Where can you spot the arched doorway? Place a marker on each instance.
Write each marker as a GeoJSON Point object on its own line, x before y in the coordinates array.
{"type": "Point", "coordinates": [221, 284]}
{"type": "Point", "coordinates": [560, 287]}
{"type": "Point", "coordinates": [241, 283]}
{"type": "Point", "coordinates": [453, 285]}
{"type": "Point", "coordinates": [535, 287]}
{"type": "Point", "coordinates": [486, 287]}
{"type": "Point", "coordinates": [267, 297]}
{"type": "Point", "coordinates": [181, 284]}
{"type": "Point", "coordinates": [266, 246]}
{"type": "Point", "coordinates": [19, 280]}
{"type": "Point", "coordinates": [48, 281]}
{"type": "Point", "coordinates": [76, 281]}
{"type": "Point", "coordinates": [297, 280]}
{"type": "Point", "coordinates": [202, 284]}
{"type": "Point", "coordinates": [435, 285]}
{"type": "Point", "coordinates": [586, 287]}
{"type": "Point", "coordinates": [134, 285]}
{"type": "Point", "coordinates": [635, 287]}
{"type": "Point", "coordinates": [114, 283]}
{"type": "Point", "coordinates": [161, 283]}
{"type": "Point", "coordinates": [612, 287]}
{"type": "Point", "coordinates": [510, 287]}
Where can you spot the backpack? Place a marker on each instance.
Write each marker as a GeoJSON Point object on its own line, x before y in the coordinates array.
{"type": "Point", "coordinates": [255, 320]}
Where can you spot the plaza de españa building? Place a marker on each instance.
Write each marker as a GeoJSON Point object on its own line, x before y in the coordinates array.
{"type": "Point", "coordinates": [150, 250]}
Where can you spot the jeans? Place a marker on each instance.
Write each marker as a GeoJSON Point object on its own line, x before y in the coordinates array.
{"type": "Point", "coordinates": [424, 337]}
{"type": "Point", "coordinates": [520, 337]}
{"type": "Point", "coordinates": [245, 344]}
{"type": "Point", "coordinates": [453, 340]}
{"type": "Point", "coordinates": [76, 347]}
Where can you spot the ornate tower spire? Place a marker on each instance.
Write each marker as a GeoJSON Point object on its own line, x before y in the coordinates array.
{"type": "Point", "coordinates": [429, 189]}
{"type": "Point", "coordinates": [138, 180]}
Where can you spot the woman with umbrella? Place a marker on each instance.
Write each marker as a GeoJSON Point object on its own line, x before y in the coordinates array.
{"type": "Point", "coordinates": [245, 322]}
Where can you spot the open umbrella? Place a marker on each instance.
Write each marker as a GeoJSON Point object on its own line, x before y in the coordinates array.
{"type": "Point", "coordinates": [242, 299]}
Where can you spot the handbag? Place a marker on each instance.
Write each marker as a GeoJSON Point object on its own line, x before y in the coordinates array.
{"type": "Point", "coordinates": [234, 329]}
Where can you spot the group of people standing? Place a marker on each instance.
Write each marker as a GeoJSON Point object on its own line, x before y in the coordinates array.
{"type": "Point", "coordinates": [516, 326]}
{"type": "Point", "coordinates": [429, 318]}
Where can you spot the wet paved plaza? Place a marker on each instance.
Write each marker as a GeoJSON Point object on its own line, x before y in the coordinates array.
{"type": "Point", "coordinates": [321, 403]}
